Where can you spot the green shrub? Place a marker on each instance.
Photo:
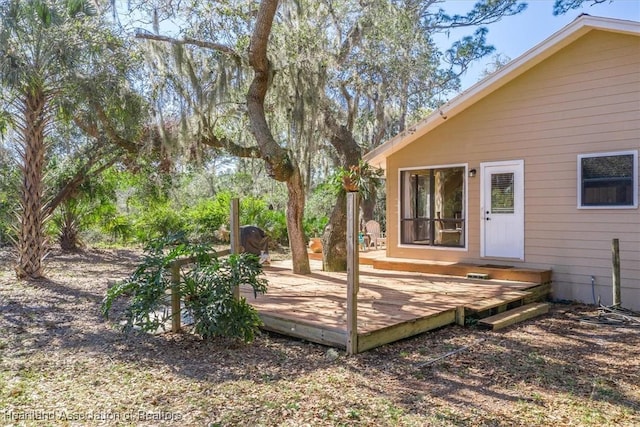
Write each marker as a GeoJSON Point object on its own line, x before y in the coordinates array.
{"type": "Point", "coordinates": [208, 295]}
{"type": "Point", "coordinates": [158, 221]}
{"type": "Point", "coordinates": [118, 227]}
{"type": "Point", "coordinates": [206, 289]}
{"type": "Point", "coordinates": [205, 218]}
{"type": "Point", "coordinates": [258, 212]}
{"type": "Point", "coordinates": [252, 210]}
{"type": "Point", "coordinates": [274, 223]}
{"type": "Point", "coordinates": [318, 208]}
{"type": "Point", "coordinates": [7, 224]}
{"type": "Point", "coordinates": [314, 226]}
{"type": "Point", "coordinates": [9, 196]}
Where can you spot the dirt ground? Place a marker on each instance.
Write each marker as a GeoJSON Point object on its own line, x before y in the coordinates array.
{"type": "Point", "coordinates": [61, 363]}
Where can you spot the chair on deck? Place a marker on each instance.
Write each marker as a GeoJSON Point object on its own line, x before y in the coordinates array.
{"type": "Point", "coordinates": [377, 237]}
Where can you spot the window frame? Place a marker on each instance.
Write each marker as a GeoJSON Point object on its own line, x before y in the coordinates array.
{"type": "Point", "coordinates": [465, 196]}
{"type": "Point", "coordinates": [579, 188]}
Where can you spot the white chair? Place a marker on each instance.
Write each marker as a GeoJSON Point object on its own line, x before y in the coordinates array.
{"type": "Point", "coordinates": [376, 236]}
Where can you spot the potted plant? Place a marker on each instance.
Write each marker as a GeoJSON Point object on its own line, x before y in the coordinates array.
{"type": "Point", "coordinates": [315, 245]}
{"type": "Point", "coordinates": [360, 177]}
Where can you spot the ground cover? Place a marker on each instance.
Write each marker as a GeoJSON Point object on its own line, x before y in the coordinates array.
{"type": "Point", "coordinates": [61, 363]}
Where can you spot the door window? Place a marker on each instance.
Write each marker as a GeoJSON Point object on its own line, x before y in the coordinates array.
{"type": "Point", "coordinates": [502, 198]}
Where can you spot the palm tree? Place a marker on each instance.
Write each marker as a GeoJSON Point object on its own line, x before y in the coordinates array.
{"type": "Point", "coordinates": [48, 49]}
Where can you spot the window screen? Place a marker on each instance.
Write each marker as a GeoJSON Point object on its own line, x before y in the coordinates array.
{"type": "Point", "coordinates": [607, 179]}
{"type": "Point", "coordinates": [432, 206]}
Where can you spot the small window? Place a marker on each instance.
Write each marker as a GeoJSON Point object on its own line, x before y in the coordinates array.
{"type": "Point", "coordinates": [608, 180]}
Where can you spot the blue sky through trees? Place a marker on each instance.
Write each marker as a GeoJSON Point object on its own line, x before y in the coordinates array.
{"type": "Point", "coordinates": [514, 35]}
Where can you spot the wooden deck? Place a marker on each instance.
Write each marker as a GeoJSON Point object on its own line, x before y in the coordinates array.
{"type": "Point", "coordinates": [392, 305]}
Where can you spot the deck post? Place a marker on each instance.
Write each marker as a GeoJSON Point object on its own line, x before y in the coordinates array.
{"type": "Point", "coordinates": [175, 297]}
{"type": "Point", "coordinates": [235, 235]}
{"type": "Point", "coordinates": [353, 270]}
{"type": "Point", "coordinates": [460, 315]}
{"type": "Point", "coordinates": [615, 259]}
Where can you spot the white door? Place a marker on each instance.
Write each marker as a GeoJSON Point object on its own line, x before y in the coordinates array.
{"type": "Point", "coordinates": [502, 204]}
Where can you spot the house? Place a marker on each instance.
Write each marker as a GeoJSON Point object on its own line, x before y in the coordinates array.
{"type": "Point", "coordinates": [535, 166]}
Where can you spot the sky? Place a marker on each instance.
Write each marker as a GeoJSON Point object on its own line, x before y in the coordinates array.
{"type": "Point", "coordinates": [515, 35]}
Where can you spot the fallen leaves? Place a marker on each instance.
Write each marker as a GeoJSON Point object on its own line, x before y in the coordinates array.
{"type": "Point", "coordinates": [58, 354]}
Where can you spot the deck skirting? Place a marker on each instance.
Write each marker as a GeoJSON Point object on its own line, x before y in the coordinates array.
{"type": "Point", "coordinates": [403, 330]}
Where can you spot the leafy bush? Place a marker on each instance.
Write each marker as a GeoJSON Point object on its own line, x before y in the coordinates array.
{"type": "Point", "coordinates": [208, 294]}
{"type": "Point", "coordinates": [314, 226]}
{"type": "Point", "coordinates": [9, 179]}
{"type": "Point", "coordinates": [118, 227]}
{"type": "Point", "coordinates": [206, 216]}
{"type": "Point", "coordinates": [7, 222]}
{"type": "Point", "coordinates": [274, 223]}
{"type": "Point", "coordinates": [206, 289]}
{"type": "Point", "coordinates": [319, 207]}
{"type": "Point", "coordinates": [158, 221]}
{"type": "Point", "coordinates": [252, 210]}
{"type": "Point", "coordinates": [258, 212]}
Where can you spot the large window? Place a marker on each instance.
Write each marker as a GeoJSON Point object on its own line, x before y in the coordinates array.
{"type": "Point", "coordinates": [608, 180]}
{"type": "Point", "coordinates": [432, 206]}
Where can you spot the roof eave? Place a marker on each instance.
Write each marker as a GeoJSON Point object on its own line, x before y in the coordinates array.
{"type": "Point", "coordinates": [567, 35]}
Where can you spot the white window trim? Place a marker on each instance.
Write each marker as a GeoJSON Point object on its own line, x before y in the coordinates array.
{"type": "Point", "coordinates": [465, 248]}
{"type": "Point", "coordinates": [605, 154]}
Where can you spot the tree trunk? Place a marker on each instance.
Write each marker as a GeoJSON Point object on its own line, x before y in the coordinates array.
{"type": "Point", "coordinates": [69, 230]}
{"type": "Point", "coordinates": [31, 238]}
{"type": "Point", "coordinates": [295, 214]}
{"type": "Point", "coordinates": [278, 162]}
{"type": "Point", "coordinates": [368, 205]}
{"type": "Point", "coordinates": [334, 240]}
{"type": "Point", "coordinates": [69, 240]}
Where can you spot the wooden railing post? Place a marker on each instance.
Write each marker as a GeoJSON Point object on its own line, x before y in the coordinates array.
{"type": "Point", "coordinates": [615, 260]}
{"type": "Point", "coordinates": [235, 234]}
{"type": "Point", "coordinates": [175, 297]}
{"type": "Point", "coordinates": [353, 271]}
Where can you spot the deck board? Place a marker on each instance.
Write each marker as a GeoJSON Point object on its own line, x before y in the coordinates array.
{"type": "Point", "coordinates": [391, 304]}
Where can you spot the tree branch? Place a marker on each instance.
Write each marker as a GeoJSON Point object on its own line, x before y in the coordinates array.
{"type": "Point", "coordinates": [279, 164]}
{"type": "Point", "coordinates": [194, 42]}
{"type": "Point", "coordinates": [563, 6]}
{"type": "Point", "coordinates": [93, 130]}
{"type": "Point", "coordinates": [483, 13]}
{"type": "Point", "coordinates": [230, 146]}
{"type": "Point", "coordinates": [353, 38]}
{"type": "Point", "coordinates": [341, 138]}
{"type": "Point", "coordinates": [81, 175]}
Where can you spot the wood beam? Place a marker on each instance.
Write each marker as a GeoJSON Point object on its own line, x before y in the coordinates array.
{"type": "Point", "coordinates": [235, 235]}
{"type": "Point", "coordinates": [353, 269]}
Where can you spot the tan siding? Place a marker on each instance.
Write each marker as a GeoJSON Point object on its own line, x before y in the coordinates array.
{"type": "Point", "coordinates": [584, 99]}
{"type": "Point", "coordinates": [562, 224]}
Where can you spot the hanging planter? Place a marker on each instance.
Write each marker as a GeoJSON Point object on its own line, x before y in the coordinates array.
{"type": "Point", "coordinates": [349, 184]}
{"type": "Point", "coordinates": [359, 177]}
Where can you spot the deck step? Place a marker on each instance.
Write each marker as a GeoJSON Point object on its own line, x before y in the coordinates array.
{"type": "Point", "coordinates": [496, 301]}
{"type": "Point", "coordinates": [516, 274]}
{"type": "Point", "coordinates": [515, 315]}
{"type": "Point", "coordinates": [483, 276]}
